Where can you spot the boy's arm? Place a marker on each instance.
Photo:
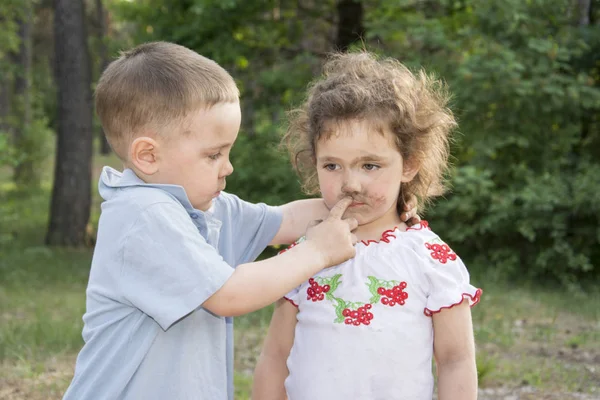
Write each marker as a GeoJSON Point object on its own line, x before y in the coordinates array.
{"type": "Point", "coordinates": [298, 214]}
{"type": "Point", "coordinates": [271, 369]}
{"type": "Point", "coordinates": [296, 217]}
{"type": "Point", "coordinates": [454, 349]}
{"type": "Point", "coordinates": [256, 285]}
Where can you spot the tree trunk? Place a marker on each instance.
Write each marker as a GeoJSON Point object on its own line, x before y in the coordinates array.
{"type": "Point", "coordinates": [350, 23]}
{"type": "Point", "coordinates": [102, 36]}
{"type": "Point", "coordinates": [583, 12]}
{"type": "Point", "coordinates": [6, 83]}
{"type": "Point", "coordinates": [5, 89]}
{"type": "Point", "coordinates": [71, 195]}
{"type": "Point", "coordinates": [25, 172]}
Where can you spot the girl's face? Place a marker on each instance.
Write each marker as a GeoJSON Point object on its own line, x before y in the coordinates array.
{"type": "Point", "coordinates": [360, 161]}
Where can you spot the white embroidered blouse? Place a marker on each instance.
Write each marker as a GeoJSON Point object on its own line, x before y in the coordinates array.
{"type": "Point", "coordinates": [364, 328]}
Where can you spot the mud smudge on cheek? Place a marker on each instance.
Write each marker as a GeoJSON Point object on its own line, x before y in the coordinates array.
{"type": "Point", "coordinates": [376, 200]}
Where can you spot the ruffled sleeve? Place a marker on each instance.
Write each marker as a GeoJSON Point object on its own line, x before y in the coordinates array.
{"type": "Point", "coordinates": [293, 295]}
{"type": "Point", "coordinates": [447, 276]}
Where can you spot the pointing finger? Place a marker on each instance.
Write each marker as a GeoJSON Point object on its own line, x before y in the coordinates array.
{"type": "Point", "coordinates": [352, 223]}
{"type": "Point", "coordinates": [340, 208]}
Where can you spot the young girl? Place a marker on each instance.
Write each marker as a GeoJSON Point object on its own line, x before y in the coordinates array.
{"type": "Point", "coordinates": [368, 328]}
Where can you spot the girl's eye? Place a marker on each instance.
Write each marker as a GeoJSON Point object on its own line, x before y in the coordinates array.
{"type": "Point", "coordinates": [330, 167]}
{"type": "Point", "coordinates": [215, 156]}
{"type": "Point", "coordinates": [370, 167]}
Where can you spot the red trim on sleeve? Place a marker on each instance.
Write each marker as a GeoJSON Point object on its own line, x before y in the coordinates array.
{"type": "Point", "coordinates": [291, 301]}
{"type": "Point", "coordinates": [475, 299]}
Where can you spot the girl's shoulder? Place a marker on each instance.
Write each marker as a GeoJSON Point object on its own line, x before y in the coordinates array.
{"type": "Point", "coordinates": [424, 241]}
{"type": "Point", "coordinates": [414, 237]}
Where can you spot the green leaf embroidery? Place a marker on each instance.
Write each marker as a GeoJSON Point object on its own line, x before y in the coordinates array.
{"type": "Point", "coordinates": [373, 286]}
{"type": "Point", "coordinates": [333, 284]}
{"type": "Point", "coordinates": [339, 309]}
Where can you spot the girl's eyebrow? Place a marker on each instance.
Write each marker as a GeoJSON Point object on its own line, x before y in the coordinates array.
{"type": "Point", "coordinates": [366, 157]}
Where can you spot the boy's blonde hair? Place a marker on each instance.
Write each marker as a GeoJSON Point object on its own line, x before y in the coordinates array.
{"type": "Point", "coordinates": [153, 87]}
{"type": "Point", "coordinates": [358, 86]}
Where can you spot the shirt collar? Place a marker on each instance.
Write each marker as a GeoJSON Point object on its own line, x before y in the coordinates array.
{"type": "Point", "coordinates": [111, 179]}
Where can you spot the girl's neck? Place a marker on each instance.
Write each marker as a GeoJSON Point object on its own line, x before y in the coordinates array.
{"type": "Point", "coordinates": [374, 229]}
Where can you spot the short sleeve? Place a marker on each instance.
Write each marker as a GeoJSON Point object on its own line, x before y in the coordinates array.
{"type": "Point", "coordinates": [293, 295]}
{"type": "Point", "coordinates": [255, 225]}
{"type": "Point", "coordinates": [169, 269]}
{"type": "Point", "coordinates": [446, 274]}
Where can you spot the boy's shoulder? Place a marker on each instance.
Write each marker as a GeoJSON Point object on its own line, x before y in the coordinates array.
{"type": "Point", "coordinates": [129, 202]}
{"type": "Point", "coordinates": [142, 197]}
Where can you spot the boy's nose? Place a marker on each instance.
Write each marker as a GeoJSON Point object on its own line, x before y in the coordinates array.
{"type": "Point", "coordinates": [227, 169]}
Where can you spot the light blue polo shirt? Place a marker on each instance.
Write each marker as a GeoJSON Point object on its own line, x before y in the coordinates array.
{"type": "Point", "coordinates": [157, 259]}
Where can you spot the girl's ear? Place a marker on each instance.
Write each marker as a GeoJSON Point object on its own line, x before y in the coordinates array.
{"type": "Point", "coordinates": [409, 170]}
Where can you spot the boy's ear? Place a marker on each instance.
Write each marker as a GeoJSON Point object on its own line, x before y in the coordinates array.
{"type": "Point", "coordinates": [409, 170]}
{"type": "Point", "coordinates": [143, 154]}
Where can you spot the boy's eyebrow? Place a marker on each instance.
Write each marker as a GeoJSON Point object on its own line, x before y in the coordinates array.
{"type": "Point", "coordinates": [220, 146]}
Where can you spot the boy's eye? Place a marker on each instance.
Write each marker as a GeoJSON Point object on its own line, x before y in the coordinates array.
{"type": "Point", "coordinates": [330, 167]}
{"type": "Point", "coordinates": [215, 156]}
{"type": "Point", "coordinates": [371, 167]}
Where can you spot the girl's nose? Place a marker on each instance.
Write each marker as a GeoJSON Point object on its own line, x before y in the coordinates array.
{"type": "Point", "coordinates": [351, 184]}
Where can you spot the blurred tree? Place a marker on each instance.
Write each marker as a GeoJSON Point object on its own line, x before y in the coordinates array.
{"type": "Point", "coordinates": [9, 44]}
{"type": "Point", "coordinates": [350, 27]}
{"type": "Point", "coordinates": [21, 96]}
{"type": "Point", "coordinates": [103, 54]}
{"type": "Point", "coordinates": [71, 195]}
{"type": "Point", "coordinates": [25, 172]}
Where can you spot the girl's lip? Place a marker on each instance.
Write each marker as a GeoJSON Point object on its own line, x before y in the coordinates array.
{"type": "Point", "coordinates": [356, 204]}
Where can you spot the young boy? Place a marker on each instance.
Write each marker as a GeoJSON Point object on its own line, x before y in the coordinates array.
{"type": "Point", "coordinates": [162, 289]}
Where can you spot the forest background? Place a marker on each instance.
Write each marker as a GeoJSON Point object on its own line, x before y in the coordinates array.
{"type": "Point", "coordinates": [523, 210]}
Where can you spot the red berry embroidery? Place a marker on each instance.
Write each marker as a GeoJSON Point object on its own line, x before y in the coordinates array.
{"type": "Point", "coordinates": [318, 289]}
{"type": "Point", "coordinates": [316, 292]}
{"type": "Point", "coordinates": [388, 293]}
{"type": "Point", "coordinates": [441, 252]}
{"type": "Point", "coordinates": [396, 295]}
{"type": "Point", "coordinates": [361, 315]}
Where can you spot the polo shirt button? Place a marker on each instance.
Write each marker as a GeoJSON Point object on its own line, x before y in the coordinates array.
{"type": "Point", "coordinates": [194, 216]}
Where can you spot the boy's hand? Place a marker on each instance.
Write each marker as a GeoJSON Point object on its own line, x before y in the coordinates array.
{"type": "Point", "coordinates": [410, 215]}
{"type": "Point", "coordinates": [333, 237]}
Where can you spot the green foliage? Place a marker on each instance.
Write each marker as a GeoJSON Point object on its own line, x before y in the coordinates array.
{"type": "Point", "coordinates": [258, 43]}
{"type": "Point", "coordinates": [262, 171]}
{"type": "Point", "coordinates": [32, 152]}
{"type": "Point", "coordinates": [10, 10]}
{"type": "Point", "coordinates": [528, 99]}
{"type": "Point", "coordinates": [525, 79]}
{"type": "Point", "coordinates": [7, 151]}
{"type": "Point", "coordinates": [25, 122]}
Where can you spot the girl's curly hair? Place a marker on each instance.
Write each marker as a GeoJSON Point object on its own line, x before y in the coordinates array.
{"type": "Point", "coordinates": [359, 86]}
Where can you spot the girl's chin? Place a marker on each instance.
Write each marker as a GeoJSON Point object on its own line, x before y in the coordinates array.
{"type": "Point", "coordinates": [361, 219]}
{"type": "Point", "coordinates": [364, 220]}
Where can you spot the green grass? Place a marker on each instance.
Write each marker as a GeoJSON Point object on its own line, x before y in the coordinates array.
{"type": "Point", "coordinates": [525, 335]}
